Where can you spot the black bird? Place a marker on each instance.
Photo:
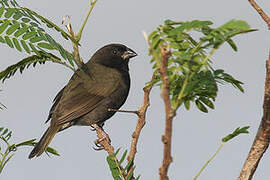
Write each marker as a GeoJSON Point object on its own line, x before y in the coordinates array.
{"type": "Point", "coordinates": [102, 83]}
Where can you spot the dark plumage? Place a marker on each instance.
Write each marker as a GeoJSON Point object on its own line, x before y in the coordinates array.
{"type": "Point", "coordinates": [102, 83]}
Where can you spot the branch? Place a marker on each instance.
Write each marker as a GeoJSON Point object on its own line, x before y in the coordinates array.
{"type": "Point", "coordinates": [261, 141]}
{"type": "Point", "coordinates": [261, 12]}
{"type": "Point", "coordinates": [141, 120]}
{"type": "Point", "coordinates": [170, 113]}
{"type": "Point", "coordinates": [124, 111]}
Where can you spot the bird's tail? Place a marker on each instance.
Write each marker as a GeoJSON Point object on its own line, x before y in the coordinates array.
{"type": "Point", "coordinates": [43, 142]}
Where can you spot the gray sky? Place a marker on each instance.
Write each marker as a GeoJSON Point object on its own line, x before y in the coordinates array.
{"type": "Point", "coordinates": [195, 135]}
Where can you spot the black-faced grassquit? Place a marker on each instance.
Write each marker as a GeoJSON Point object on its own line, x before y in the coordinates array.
{"type": "Point", "coordinates": [102, 83]}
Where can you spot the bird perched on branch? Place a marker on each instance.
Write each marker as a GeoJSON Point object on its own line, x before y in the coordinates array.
{"type": "Point", "coordinates": [100, 84]}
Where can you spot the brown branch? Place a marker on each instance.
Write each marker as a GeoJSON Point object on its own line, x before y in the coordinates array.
{"type": "Point", "coordinates": [141, 120]}
{"type": "Point", "coordinates": [261, 12]}
{"type": "Point", "coordinates": [167, 137]}
{"type": "Point", "coordinates": [262, 139]}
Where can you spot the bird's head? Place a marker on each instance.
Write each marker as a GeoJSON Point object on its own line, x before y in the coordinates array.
{"type": "Point", "coordinates": [114, 55]}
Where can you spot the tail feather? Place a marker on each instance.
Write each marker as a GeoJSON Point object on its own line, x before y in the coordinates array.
{"type": "Point", "coordinates": [43, 142]}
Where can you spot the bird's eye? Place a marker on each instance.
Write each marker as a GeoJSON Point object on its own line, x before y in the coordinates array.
{"type": "Point", "coordinates": [114, 52]}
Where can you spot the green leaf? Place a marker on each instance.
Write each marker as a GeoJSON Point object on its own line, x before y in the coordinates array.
{"type": "Point", "coordinates": [123, 157]}
{"type": "Point", "coordinates": [29, 35]}
{"type": "Point", "coordinates": [9, 157]}
{"type": "Point", "coordinates": [236, 24]}
{"type": "Point", "coordinates": [232, 44]}
{"type": "Point", "coordinates": [34, 49]}
{"type": "Point", "coordinates": [130, 174]}
{"type": "Point", "coordinates": [9, 12]}
{"type": "Point", "coordinates": [26, 143]}
{"type": "Point", "coordinates": [187, 104]}
{"type": "Point", "coordinates": [2, 40]}
{"type": "Point", "coordinates": [12, 28]}
{"type": "Point", "coordinates": [4, 132]}
{"type": "Point", "coordinates": [17, 15]}
{"type": "Point", "coordinates": [36, 39]}
{"type": "Point", "coordinates": [207, 102]}
{"type": "Point", "coordinates": [50, 40]}
{"type": "Point", "coordinates": [17, 45]}
{"type": "Point", "coordinates": [156, 41]}
{"type": "Point", "coordinates": [116, 152]}
{"type": "Point", "coordinates": [8, 136]}
{"type": "Point", "coordinates": [138, 177]}
{"type": "Point", "coordinates": [52, 151]}
{"type": "Point", "coordinates": [2, 11]}
{"type": "Point", "coordinates": [236, 132]}
{"type": "Point", "coordinates": [20, 31]}
{"type": "Point", "coordinates": [4, 26]}
{"type": "Point", "coordinates": [45, 46]}
{"type": "Point", "coordinates": [200, 106]}
{"type": "Point", "coordinates": [25, 46]}
{"type": "Point", "coordinates": [218, 71]}
{"type": "Point", "coordinates": [26, 20]}
{"type": "Point", "coordinates": [128, 165]}
{"type": "Point", "coordinates": [9, 42]}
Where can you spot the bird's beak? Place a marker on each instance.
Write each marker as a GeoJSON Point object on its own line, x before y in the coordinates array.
{"type": "Point", "coordinates": [129, 53]}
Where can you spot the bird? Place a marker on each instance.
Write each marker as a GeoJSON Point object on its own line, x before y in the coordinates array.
{"type": "Point", "coordinates": [101, 84]}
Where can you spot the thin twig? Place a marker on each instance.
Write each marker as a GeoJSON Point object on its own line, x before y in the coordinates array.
{"type": "Point", "coordinates": [124, 111]}
{"type": "Point", "coordinates": [261, 141]}
{"type": "Point", "coordinates": [92, 5]}
{"type": "Point", "coordinates": [170, 113]}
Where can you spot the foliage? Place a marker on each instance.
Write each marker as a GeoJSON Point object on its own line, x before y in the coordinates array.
{"type": "Point", "coordinates": [8, 152]}
{"type": "Point", "coordinates": [24, 30]}
{"type": "Point", "coordinates": [236, 132]}
{"type": "Point", "coordinates": [118, 172]}
{"type": "Point", "coordinates": [192, 78]}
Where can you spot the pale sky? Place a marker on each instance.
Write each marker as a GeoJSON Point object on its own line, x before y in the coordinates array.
{"type": "Point", "coordinates": [196, 135]}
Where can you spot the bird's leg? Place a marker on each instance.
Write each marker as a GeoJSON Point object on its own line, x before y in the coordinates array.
{"type": "Point", "coordinates": [102, 136]}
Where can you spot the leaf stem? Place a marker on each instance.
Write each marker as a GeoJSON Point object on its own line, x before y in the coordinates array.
{"type": "Point", "coordinates": [211, 158]}
{"type": "Point", "coordinates": [183, 89]}
{"type": "Point", "coordinates": [92, 4]}
{"type": "Point", "coordinates": [208, 56]}
{"type": "Point", "coordinates": [180, 96]}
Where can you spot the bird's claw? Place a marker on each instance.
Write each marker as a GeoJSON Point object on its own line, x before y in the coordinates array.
{"type": "Point", "coordinates": [92, 128]}
{"type": "Point", "coordinates": [103, 137]}
{"type": "Point", "coordinates": [98, 145]}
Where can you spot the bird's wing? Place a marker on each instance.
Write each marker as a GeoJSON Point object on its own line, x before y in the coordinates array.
{"type": "Point", "coordinates": [55, 102]}
{"type": "Point", "coordinates": [82, 94]}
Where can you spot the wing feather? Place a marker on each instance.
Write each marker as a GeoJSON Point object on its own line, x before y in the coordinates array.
{"type": "Point", "coordinates": [83, 93]}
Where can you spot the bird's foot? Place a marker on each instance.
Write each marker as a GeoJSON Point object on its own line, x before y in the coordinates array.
{"type": "Point", "coordinates": [103, 137]}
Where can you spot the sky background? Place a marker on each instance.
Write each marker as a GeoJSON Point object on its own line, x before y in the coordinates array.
{"type": "Point", "coordinates": [196, 135]}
